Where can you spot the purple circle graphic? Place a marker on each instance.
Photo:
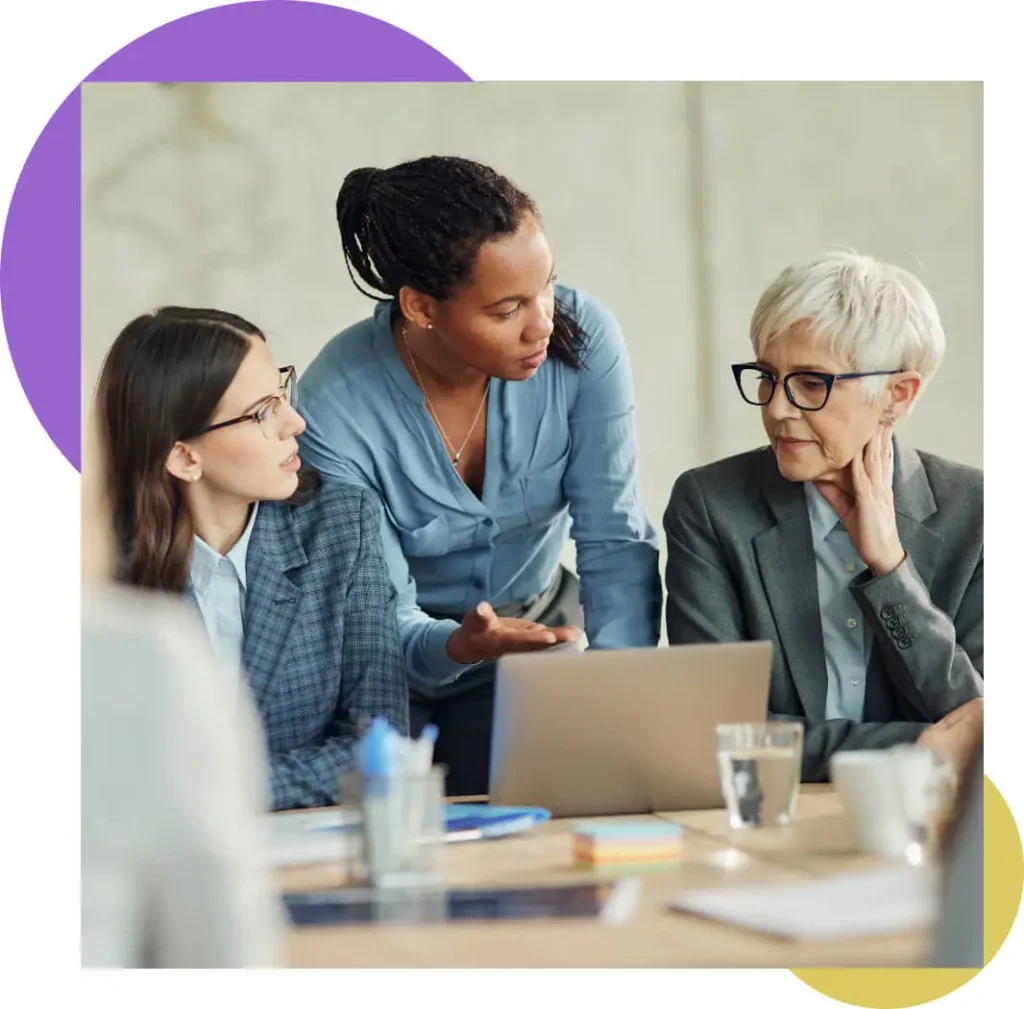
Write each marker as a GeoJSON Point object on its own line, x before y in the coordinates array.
{"type": "Point", "coordinates": [40, 259]}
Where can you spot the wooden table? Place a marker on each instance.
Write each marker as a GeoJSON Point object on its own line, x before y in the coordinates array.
{"type": "Point", "coordinates": [816, 844]}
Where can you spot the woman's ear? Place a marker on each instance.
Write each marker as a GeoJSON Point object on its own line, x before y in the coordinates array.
{"type": "Point", "coordinates": [184, 463]}
{"type": "Point", "coordinates": [418, 308]}
{"type": "Point", "coordinates": [901, 393]}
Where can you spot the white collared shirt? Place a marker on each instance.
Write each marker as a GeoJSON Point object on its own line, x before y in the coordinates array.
{"type": "Point", "coordinates": [218, 584]}
{"type": "Point", "coordinates": [845, 633]}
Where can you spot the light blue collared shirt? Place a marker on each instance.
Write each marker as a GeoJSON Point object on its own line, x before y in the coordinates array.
{"type": "Point", "coordinates": [217, 583]}
{"type": "Point", "coordinates": [561, 450]}
{"type": "Point", "coordinates": [846, 635]}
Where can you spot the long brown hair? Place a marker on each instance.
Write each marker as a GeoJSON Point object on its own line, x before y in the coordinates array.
{"type": "Point", "coordinates": [97, 528]}
{"type": "Point", "coordinates": [161, 383]}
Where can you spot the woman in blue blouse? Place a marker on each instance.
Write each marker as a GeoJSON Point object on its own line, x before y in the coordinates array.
{"type": "Point", "coordinates": [491, 410]}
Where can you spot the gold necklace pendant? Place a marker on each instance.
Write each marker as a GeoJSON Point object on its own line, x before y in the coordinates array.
{"type": "Point", "coordinates": [433, 413]}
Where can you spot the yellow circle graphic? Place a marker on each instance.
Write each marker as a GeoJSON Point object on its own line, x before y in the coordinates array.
{"type": "Point", "coordinates": [902, 987]}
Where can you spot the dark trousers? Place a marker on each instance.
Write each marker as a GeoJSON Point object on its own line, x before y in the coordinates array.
{"type": "Point", "coordinates": [464, 723]}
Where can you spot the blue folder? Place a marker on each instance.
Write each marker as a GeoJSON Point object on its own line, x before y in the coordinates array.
{"type": "Point", "coordinates": [470, 822]}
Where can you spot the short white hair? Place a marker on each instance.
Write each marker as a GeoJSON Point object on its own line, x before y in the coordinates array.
{"type": "Point", "coordinates": [872, 314]}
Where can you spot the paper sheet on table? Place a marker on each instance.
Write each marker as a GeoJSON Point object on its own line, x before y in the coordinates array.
{"type": "Point", "coordinates": [852, 904]}
{"type": "Point", "coordinates": [312, 838]}
{"type": "Point", "coordinates": [327, 835]}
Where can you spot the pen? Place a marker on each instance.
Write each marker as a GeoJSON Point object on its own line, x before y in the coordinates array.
{"type": "Point", "coordinates": [377, 799]}
{"type": "Point", "coordinates": [398, 799]}
{"type": "Point", "coordinates": [420, 758]}
{"type": "Point", "coordinates": [423, 751]}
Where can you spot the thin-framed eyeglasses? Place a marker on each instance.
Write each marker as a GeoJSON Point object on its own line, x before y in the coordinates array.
{"type": "Point", "coordinates": [268, 412]}
{"type": "Point", "coordinates": [806, 390]}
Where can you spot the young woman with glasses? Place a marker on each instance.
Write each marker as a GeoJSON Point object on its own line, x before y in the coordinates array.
{"type": "Point", "coordinates": [211, 501]}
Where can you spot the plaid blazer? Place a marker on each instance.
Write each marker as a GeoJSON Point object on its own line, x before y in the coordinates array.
{"type": "Point", "coordinates": [321, 645]}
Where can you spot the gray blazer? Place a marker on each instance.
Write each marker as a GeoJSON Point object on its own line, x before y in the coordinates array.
{"type": "Point", "coordinates": [741, 567]}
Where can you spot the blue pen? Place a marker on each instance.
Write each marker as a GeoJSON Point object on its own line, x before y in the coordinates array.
{"type": "Point", "coordinates": [423, 750]}
{"type": "Point", "coordinates": [373, 749]}
{"type": "Point", "coordinates": [419, 757]}
{"type": "Point", "coordinates": [375, 768]}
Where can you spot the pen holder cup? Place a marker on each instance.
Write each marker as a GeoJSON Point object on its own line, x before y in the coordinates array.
{"type": "Point", "coordinates": [401, 829]}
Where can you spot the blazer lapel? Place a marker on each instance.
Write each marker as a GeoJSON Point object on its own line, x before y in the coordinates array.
{"type": "Point", "coordinates": [785, 558]}
{"type": "Point", "coordinates": [271, 598]}
{"type": "Point", "coordinates": [915, 502]}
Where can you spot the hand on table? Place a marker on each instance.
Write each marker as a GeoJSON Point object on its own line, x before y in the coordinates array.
{"type": "Point", "coordinates": [869, 516]}
{"type": "Point", "coordinates": [484, 635]}
{"type": "Point", "coordinates": [957, 734]}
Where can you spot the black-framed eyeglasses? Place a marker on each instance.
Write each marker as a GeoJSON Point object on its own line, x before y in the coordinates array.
{"type": "Point", "coordinates": [806, 390]}
{"type": "Point", "coordinates": [268, 412]}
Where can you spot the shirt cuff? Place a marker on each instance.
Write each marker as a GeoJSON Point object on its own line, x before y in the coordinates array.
{"type": "Point", "coordinates": [437, 666]}
{"type": "Point", "coordinates": [867, 578]}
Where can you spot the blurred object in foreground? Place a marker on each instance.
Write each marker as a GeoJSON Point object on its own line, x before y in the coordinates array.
{"type": "Point", "coordinates": [174, 854]}
{"type": "Point", "coordinates": [174, 780]}
{"type": "Point", "coordinates": [959, 939]}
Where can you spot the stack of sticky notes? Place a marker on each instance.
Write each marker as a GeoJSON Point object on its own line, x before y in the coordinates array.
{"type": "Point", "coordinates": [627, 842]}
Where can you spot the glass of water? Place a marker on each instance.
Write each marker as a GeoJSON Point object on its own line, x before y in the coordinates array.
{"type": "Point", "coordinates": [401, 829]}
{"type": "Point", "coordinates": [759, 765]}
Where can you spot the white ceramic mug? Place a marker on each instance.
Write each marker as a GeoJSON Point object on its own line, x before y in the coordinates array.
{"type": "Point", "coordinates": [890, 797]}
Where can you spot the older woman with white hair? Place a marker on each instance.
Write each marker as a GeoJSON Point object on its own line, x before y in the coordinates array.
{"type": "Point", "coordinates": [859, 558]}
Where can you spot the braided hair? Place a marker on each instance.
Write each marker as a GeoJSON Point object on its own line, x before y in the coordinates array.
{"type": "Point", "coordinates": [421, 224]}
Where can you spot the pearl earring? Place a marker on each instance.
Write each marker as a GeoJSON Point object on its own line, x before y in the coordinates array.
{"type": "Point", "coordinates": [195, 477]}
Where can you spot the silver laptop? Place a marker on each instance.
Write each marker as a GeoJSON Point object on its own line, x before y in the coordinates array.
{"type": "Point", "coordinates": [632, 731]}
